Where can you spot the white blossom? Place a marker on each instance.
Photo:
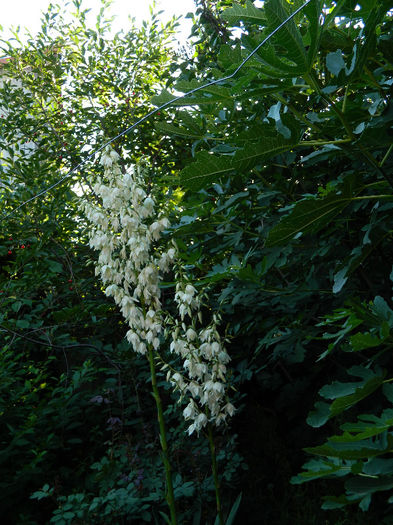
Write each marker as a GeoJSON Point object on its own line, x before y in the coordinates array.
{"type": "Point", "coordinates": [128, 263]}
{"type": "Point", "coordinates": [126, 230]}
{"type": "Point", "coordinates": [204, 361]}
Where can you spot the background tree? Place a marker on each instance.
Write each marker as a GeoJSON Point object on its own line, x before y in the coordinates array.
{"type": "Point", "coordinates": [77, 415]}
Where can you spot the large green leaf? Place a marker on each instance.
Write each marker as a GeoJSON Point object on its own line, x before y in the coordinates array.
{"type": "Point", "coordinates": [364, 485]}
{"type": "Point", "coordinates": [215, 91]}
{"type": "Point", "coordinates": [313, 12]}
{"type": "Point", "coordinates": [234, 509]}
{"type": "Point", "coordinates": [229, 56]}
{"type": "Point", "coordinates": [376, 466]}
{"type": "Point", "coordinates": [319, 415]}
{"type": "Point", "coordinates": [207, 169]}
{"type": "Point", "coordinates": [265, 148]}
{"type": "Point", "coordinates": [319, 468]}
{"type": "Point", "coordinates": [244, 88]}
{"type": "Point", "coordinates": [308, 216]}
{"type": "Point", "coordinates": [261, 142]}
{"type": "Point", "coordinates": [311, 215]}
{"type": "Point", "coordinates": [346, 395]}
{"type": "Point", "coordinates": [249, 13]}
{"type": "Point", "coordinates": [337, 389]}
{"type": "Point", "coordinates": [289, 36]}
{"type": "Point", "coordinates": [343, 403]}
{"type": "Point", "coordinates": [267, 60]}
{"type": "Point", "coordinates": [368, 40]}
{"type": "Point", "coordinates": [367, 426]}
{"type": "Point", "coordinates": [363, 449]}
{"type": "Point", "coordinates": [210, 95]}
{"type": "Point", "coordinates": [170, 129]}
{"type": "Point", "coordinates": [361, 341]}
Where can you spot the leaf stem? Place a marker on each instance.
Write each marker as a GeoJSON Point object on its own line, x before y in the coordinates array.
{"type": "Point", "coordinates": [323, 142]}
{"type": "Point", "coordinates": [297, 113]}
{"type": "Point", "coordinates": [386, 155]}
{"type": "Point", "coordinates": [365, 197]}
{"type": "Point", "coordinates": [345, 99]}
{"type": "Point", "coordinates": [374, 163]}
{"type": "Point", "coordinates": [312, 80]}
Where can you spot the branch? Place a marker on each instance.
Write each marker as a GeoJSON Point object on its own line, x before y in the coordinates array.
{"type": "Point", "coordinates": [61, 347]}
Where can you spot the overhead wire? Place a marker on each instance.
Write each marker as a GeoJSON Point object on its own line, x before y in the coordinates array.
{"type": "Point", "coordinates": [160, 108]}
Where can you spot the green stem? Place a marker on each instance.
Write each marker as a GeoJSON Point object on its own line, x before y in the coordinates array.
{"type": "Point", "coordinates": [297, 113]}
{"type": "Point", "coordinates": [165, 456]}
{"type": "Point", "coordinates": [386, 156]}
{"type": "Point", "coordinates": [345, 99]}
{"type": "Point", "coordinates": [323, 142]}
{"type": "Point", "coordinates": [215, 473]}
{"type": "Point", "coordinates": [374, 163]}
{"type": "Point", "coordinates": [313, 82]}
{"type": "Point", "coordinates": [365, 197]}
{"type": "Point", "coordinates": [373, 81]}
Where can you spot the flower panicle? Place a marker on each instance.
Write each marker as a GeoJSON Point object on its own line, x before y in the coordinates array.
{"type": "Point", "coordinates": [205, 362]}
{"type": "Point", "coordinates": [126, 227]}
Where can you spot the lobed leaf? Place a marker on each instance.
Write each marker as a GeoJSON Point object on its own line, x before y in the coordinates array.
{"type": "Point", "coordinates": [289, 35]}
{"type": "Point", "coordinates": [248, 13]}
{"type": "Point", "coordinates": [311, 215]}
{"type": "Point", "coordinates": [365, 485]}
{"type": "Point", "coordinates": [208, 168]}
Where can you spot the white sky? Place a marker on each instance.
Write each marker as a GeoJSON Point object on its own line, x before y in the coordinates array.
{"type": "Point", "coordinates": [27, 13]}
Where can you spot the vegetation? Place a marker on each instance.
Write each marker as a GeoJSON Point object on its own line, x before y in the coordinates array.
{"type": "Point", "coordinates": [277, 183]}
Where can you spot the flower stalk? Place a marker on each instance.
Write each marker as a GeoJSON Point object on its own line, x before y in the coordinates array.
{"type": "Point", "coordinates": [215, 473]}
{"type": "Point", "coordinates": [170, 497]}
{"type": "Point", "coordinates": [126, 228]}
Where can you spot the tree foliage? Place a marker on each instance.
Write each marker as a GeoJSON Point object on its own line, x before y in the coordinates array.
{"type": "Point", "coordinates": [280, 182]}
{"type": "Point", "coordinates": [76, 415]}
{"type": "Point", "coordinates": [288, 203]}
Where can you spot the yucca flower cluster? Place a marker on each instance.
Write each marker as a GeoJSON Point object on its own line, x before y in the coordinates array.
{"type": "Point", "coordinates": [126, 229]}
{"type": "Point", "coordinates": [204, 361]}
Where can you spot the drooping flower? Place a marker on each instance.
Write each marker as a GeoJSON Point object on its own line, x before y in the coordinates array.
{"type": "Point", "coordinates": [204, 361]}
{"type": "Point", "coordinates": [126, 230]}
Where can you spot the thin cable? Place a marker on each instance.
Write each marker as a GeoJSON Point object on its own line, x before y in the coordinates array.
{"type": "Point", "coordinates": [163, 106]}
